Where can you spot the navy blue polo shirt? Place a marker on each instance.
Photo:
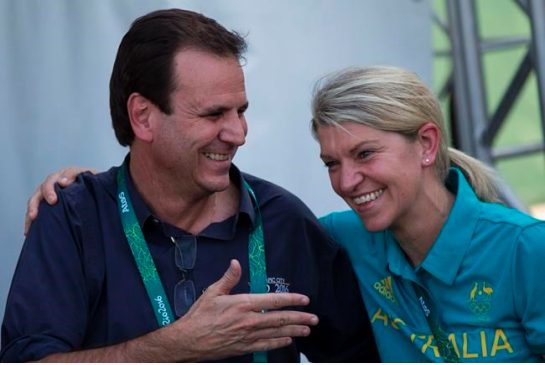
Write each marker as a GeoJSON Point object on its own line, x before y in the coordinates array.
{"type": "Point", "coordinates": [76, 284]}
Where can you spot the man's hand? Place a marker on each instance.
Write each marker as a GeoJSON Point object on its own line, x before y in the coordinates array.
{"type": "Point", "coordinates": [224, 325]}
{"type": "Point", "coordinates": [217, 326]}
{"type": "Point", "coordinates": [46, 191]}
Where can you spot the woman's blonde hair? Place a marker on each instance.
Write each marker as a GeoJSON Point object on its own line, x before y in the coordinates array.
{"type": "Point", "coordinates": [394, 100]}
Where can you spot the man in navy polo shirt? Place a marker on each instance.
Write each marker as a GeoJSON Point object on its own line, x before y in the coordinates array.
{"type": "Point", "coordinates": [130, 264]}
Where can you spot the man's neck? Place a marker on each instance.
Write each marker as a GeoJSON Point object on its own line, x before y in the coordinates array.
{"type": "Point", "coordinates": [176, 204]}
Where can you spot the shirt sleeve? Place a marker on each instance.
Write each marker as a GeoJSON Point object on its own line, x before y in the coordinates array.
{"type": "Point", "coordinates": [528, 283]}
{"type": "Point", "coordinates": [46, 306]}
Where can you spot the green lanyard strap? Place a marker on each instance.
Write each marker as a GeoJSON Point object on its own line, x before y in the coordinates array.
{"type": "Point", "coordinates": [256, 250]}
{"type": "Point", "coordinates": [256, 256]}
{"type": "Point", "coordinates": [148, 271]}
{"type": "Point", "coordinates": [443, 344]}
{"type": "Point", "coordinates": [140, 251]}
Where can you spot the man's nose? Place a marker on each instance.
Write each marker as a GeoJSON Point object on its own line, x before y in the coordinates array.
{"type": "Point", "coordinates": [235, 129]}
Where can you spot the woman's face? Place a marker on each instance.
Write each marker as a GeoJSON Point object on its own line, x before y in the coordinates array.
{"type": "Point", "coordinates": [379, 174]}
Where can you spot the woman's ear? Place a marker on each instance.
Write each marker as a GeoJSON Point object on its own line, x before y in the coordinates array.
{"type": "Point", "coordinates": [429, 137]}
{"type": "Point", "coordinates": [139, 110]}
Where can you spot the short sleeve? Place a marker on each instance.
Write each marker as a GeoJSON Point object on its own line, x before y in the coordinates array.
{"type": "Point", "coordinates": [46, 306]}
{"type": "Point", "coordinates": [528, 281]}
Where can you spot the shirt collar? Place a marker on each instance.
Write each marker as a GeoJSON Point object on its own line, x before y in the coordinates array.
{"type": "Point", "coordinates": [215, 230]}
{"type": "Point", "coordinates": [445, 256]}
{"type": "Point", "coordinates": [143, 213]}
{"type": "Point", "coordinates": [224, 231]}
{"type": "Point", "coordinates": [246, 205]}
{"type": "Point", "coordinates": [396, 259]}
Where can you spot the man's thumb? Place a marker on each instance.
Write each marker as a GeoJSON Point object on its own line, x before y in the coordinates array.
{"type": "Point", "coordinates": [230, 278]}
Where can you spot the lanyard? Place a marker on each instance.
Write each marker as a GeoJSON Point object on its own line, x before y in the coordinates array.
{"type": "Point", "coordinates": [256, 257]}
{"type": "Point", "coordinates": [148, 271]}
{"type": "Point", "coordinates": [443, 344]}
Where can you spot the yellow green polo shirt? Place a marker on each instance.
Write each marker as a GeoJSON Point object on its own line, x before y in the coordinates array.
{"type": "Point", "coordinates": [485, 275]}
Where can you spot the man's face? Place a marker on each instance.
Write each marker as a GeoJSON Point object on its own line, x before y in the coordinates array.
{"type": "Point", "coordinates": [198, 140]}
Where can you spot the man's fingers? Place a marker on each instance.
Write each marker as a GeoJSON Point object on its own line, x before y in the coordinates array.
{"type": "Point", "coordinates": [278, 319]}
{"type": "Point", "coordinates": [269, 344]}
{"type": "Point", "coordinates": [285, 331]}
{"type": "Point", "coordinates": [277, 301]}
{"type": "Point", "coordinates": [230, 278]}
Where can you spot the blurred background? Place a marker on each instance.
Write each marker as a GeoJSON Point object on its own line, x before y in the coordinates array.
{"type": "Point", "coordinates": [489, 72]}
{"type": "Point", "coordinates": [480, 56]}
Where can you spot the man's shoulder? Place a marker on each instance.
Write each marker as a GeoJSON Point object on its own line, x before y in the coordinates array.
{"type": "Point", "coordinates": [258, 183]}
{"type": "Point", "coordinates": [269, 193]}
{"type": "Point", "coordinates": [90, 186]}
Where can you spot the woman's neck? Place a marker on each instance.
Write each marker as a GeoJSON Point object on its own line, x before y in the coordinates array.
{"type": "Point", "coordinates": [419, 231]}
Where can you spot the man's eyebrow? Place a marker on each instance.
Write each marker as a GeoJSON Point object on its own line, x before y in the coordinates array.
{"type": "Point", "coordinates": [214, 109]}
{"type": "Point", "coordinates": [218, 109]}
{"type": "Point", "coordinates": [245, 106]}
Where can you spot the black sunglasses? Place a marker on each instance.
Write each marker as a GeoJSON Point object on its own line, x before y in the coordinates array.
{"type": "Point", "coordinates": [185, 256]}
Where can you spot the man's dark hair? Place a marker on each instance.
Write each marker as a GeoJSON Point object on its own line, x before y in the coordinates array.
{"type": "Point", "coordinates": [144, 61]}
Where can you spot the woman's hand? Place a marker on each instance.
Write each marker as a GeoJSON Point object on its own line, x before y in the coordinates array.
{"type": "Point", "coordinates": [46, 191]}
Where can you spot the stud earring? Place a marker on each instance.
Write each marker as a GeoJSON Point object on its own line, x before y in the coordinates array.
{"type": "Point", "coordinates": [426, 161]}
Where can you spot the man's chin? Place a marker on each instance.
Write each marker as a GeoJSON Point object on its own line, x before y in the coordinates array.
{"type": "Point", "coordinates": [218, 185]}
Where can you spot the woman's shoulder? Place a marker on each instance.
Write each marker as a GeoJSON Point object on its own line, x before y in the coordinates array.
{"type": "Point", "coordinates": [347, 229]}
{"type": "Point", "coordinates": [512, 228]}
{"type": "Point", "coordinates": [499, 214]}
{"type": "Point", "coordinates": [343, 224]}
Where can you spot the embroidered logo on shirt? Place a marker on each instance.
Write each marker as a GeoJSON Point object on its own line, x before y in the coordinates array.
{"type": "Point", "coordinates": [480, 299]}
{"type": "Point", "coordinates": [385, 288]}
{"type": "Point", "coordinates": [277, 285]}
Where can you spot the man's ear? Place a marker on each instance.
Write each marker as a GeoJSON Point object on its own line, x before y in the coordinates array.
{"type": "Point", "coordinates": [140, 112]}
{"type": "Point", "coordinates": [429, 137]}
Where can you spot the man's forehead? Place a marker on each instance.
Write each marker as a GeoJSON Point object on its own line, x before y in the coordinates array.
{"type": "Point", "coordinates": [222, 101]}
{"type": "Point", "coordinates": [213, 90]}
{"type": "Point", "coordinates": [194, 67]}
{"type": "Point", "coordinates": [210, 102]}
